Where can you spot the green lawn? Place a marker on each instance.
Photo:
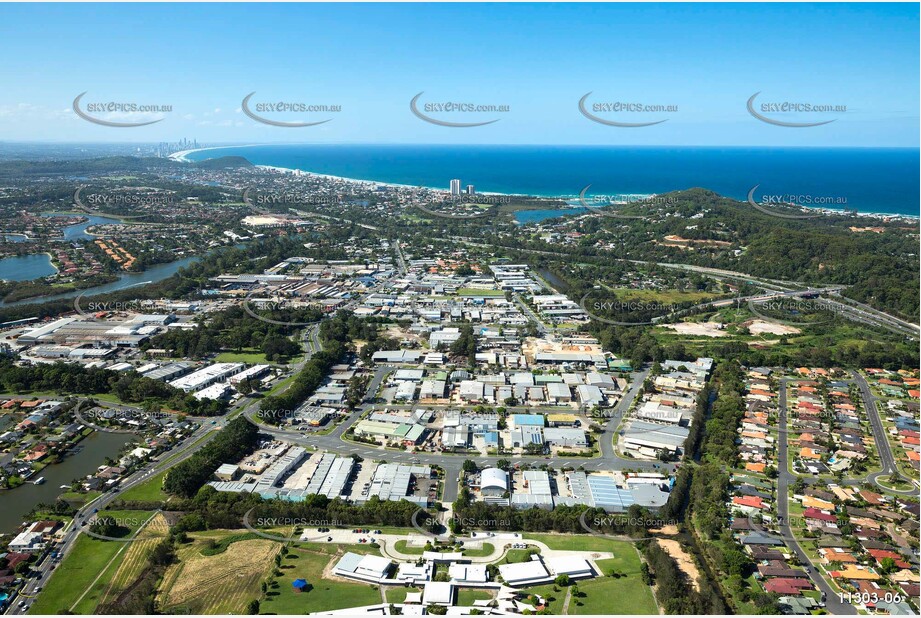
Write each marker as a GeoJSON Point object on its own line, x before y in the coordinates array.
{"type": "Point", "coordinates": [79, 498]}
{"type": "Point", "coordinates": [554, 599]}
{"type": "Point", "coordinates": [78, 572]}
{"type": "Point", "coordinates": [466, 596]}
{"type": "Point", "coordinates": [253, 357]}
{"type": "Point", "coordinates": [323, 595]}
{"type": "Point", "coordinates": [615, 595]}
{"type": "Point", "coordinates": [485, 550]}
{"type": "Point", "coordinates": [404, 548]}
{"type": "Point", "coordinates": [397, 594]}
{"type": "Point", "coordinates": [476, 292]}
{"type": "Point", "coordinates": [581, 542]}
{"type": "Point", "coordinates": [150, 490]}
{"type": "Point", "coordinates": [516, 555]}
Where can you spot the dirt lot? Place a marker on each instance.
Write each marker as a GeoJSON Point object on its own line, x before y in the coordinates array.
{"type": "Point", "coordinates": [761, 327]}
{"type": "Point", "coordinates": [700, 329]}
{"type": "Point", "coordinates": [684, 560]}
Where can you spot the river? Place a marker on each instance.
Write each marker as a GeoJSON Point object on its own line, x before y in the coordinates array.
{"type": "Point", "coordinates": [90, 453]}
{"type": "Point", "coordinates": [151, 275]}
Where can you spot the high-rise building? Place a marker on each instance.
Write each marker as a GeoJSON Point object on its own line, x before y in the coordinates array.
{"type": "Point", "coordinates": [470, 190]}
{"type": "Point", "coordinates": [455, 186]}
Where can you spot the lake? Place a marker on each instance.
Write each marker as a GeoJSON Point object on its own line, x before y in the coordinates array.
{"type": "Point", "coordinates": [26, 267]}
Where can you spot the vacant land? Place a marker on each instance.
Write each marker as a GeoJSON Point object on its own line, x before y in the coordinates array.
{"type": "Point", "coordinates": [252, 357]}
{"type": "Point", "coordinates": [134, 558]}
{"type": "Point", "coordinates": [223, 583]}
{"type": "Point", "coordinates": [622, 594]}
{"type": "Point", "coordinates": [150, 490]}
{"type": "Point", "coordinates": [79, 582]}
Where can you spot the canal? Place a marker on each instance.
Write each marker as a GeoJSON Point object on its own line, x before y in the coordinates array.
{"type": "Point", "coordinates": [86, 457]}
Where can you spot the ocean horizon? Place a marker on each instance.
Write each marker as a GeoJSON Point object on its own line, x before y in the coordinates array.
{"type": "Point", "coordinates": [868, 180]}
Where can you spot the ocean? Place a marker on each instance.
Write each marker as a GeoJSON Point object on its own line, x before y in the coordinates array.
{"type": "Point", "coordinates": [869, 180]}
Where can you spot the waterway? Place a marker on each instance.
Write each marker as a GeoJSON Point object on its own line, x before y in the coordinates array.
{"type": "Point", "coordinates": [127, 280]}
{"type": "Point", "coordinates": [88, 455]}
{"type": "Point", "coordinates": [78, 230]}
{"type": "Point", "coordinates": [26, 267]}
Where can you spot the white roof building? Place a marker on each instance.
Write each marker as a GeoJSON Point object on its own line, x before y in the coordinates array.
{"type": "Point", "coordinates": [438, 593]}
{"type": "Point", "coordinates": [468, 573]}
{"type": "Point", "coordinates": [366, 568]}
{"type": "Point", "coordinates": [573, 566]}
{"type": "Point", "coordinates": [524, 573]}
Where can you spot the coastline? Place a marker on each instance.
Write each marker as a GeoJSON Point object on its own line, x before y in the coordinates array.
{"type": "Point", "coordinates": [182, 156]}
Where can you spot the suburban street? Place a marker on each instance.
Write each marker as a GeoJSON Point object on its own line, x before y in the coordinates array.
{"type": "Point", "coordinates": [833, 603]}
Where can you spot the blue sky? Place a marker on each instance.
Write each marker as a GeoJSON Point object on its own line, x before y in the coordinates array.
{"type": "Point", "coordinates": [538, 59]}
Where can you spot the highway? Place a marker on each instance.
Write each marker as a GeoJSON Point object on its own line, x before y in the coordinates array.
{"type": "Point", "coordinates": [852, 310]}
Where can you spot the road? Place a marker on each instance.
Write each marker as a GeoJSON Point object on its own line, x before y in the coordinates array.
{"type": "Point", "coordinates": [452, 463]}
{"type": "Point", "coordinates": [833, 602]}
{"type": "Point", "coordinates": [882, 440]}
{"type": "Point", "coordinates": [852, 310]}
{"type": "Point", "coordinates": [179, 453]}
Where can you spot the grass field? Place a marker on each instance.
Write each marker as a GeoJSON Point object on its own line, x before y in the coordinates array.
{"type": "Point", "coordinates": [224, 583]}
{"type": "Point", "coordinates": [323, 594]}
{"type": "Point", "coordinates": [79, 582]}
{"type": "Point", "coordinates": [582, 542]}
{"type": "Point", "coordinates": [466, 596]}
{"type": "Point", "coordinates": [476, 292]}
{"type": "Point", "coordinates": [404, 547]}
{"type": "Point", "coordinates": [516, 555]}
{"type": "Point", "coordinates": [150, 490]}
{"type": "Point", "coordinates": [479, 552]}
{"type": "Point", "coordinates": [252, 357]}
{"type": "Point", "coordinates": [615, 595]}
{"type": "Point", "coordinates": [397, 594]}
{"type": "Point", "coordinates": [134, 558]}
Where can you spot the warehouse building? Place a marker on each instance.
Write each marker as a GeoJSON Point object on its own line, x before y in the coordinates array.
{"type": "Point", "coordinates": [650, 438]}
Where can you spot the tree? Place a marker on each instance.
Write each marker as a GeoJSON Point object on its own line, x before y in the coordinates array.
{"type": "Point", "coordinates": [887, 565]}
{"type": "Point", "coordinates": [562, 580]}
{"type": "Point", "coordinates": [253, 608]}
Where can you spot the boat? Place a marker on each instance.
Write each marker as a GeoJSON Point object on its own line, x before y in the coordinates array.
{"type": "Point", "coordinates": [39, 480]}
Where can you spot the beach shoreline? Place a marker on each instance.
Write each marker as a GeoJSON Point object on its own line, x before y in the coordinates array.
{"type": "Point", "coordinates": [182, 156]}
